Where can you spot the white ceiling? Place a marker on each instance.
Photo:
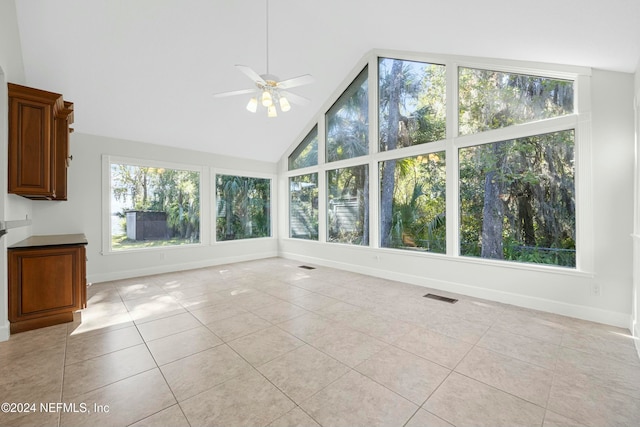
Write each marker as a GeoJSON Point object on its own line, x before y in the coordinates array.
{"type": "Point", "coordinates": [146, 70]}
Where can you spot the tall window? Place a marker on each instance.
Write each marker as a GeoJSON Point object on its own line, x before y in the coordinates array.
{"type": "Point", "coordinates": [348, 122]}
{"type": "Point", "coordinates": [153, 206]}
{"type": "Point", "coordinates": [303, 207]}
{"type": "Point", "coordinates": [412, 211]}
{"type": "Point", "coordinates": [517, 197]}
{"type": "Point", "coordinates": [348, 205]}
{"type": "Point", "coordinates": [411, 108]}
{"type": "Point", "coordinates": [243, 207]}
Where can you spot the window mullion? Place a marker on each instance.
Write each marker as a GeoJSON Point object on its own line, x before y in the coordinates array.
{"type": "Point", "coordinates": [452, 193]}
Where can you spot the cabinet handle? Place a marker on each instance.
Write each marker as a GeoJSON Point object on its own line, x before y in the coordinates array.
{"type": "Point", "coordinates": [69, 160]}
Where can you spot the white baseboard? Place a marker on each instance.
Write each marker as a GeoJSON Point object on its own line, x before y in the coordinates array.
{"type": "Point", "coordinates": [4, 331]}
{"type": "Point", "coordinates": [612, 318]}
{"type": "Point", "coordinates": [159, 269]}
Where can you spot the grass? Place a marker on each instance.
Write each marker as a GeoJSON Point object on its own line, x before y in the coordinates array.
{"type": "Point", "coordinates": [121, 242]}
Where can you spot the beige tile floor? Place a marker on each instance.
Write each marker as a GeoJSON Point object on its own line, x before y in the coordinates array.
{"type": "Point", "coordinates": [266, 343]}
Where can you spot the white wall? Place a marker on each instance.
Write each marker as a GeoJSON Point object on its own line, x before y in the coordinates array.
{"type": "Point", "coordinates": [549, 289]}
{"type": "Point", "coordinates": [11, 207]}
{"type": "Point", "coordinates": [82, 212]}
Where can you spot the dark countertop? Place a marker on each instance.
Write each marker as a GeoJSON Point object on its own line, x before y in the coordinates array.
{"type": "Point", "coordinates": [51, 240]}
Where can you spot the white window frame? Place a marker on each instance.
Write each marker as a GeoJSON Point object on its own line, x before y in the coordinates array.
{"type": "Point", "coordinates": [273, 202]}
{"type": "Point", "coordinates": [579, 120]}
{"type": "Point", "coordinates": [108, 160]}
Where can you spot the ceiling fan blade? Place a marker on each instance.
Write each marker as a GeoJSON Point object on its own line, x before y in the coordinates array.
{"type": "Point", "coordinates": [296, 99]}
{"type": "Point", "coordinates": [251, 74]}
{"type": "Point", "coordinates": [233, 93]}
{"type": "Point", "coordinates": [296, 81]}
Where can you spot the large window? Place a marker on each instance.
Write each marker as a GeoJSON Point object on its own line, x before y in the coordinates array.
{"type": "Point", "coordinates": [348, 205]}
{"type": "Point", "coordinates": [493, 100]}
{"type": "Point", "coordinates": [243, 208]}
{"type": "Point", "coordinates": [517, 200]}
{"type": "Point", "coordinates": [469, 161]}
{"type": "Point", "coordinates": [153, 206]}
{"type": "Point", "coordinates": [303, 207]}
{"type": "Point", "coordinates": [517, 197]}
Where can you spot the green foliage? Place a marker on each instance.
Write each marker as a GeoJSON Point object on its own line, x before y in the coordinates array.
{"type": "Point", "coordinates": [418, 204]}
{"type": "Point", "coordinates": [175, 192]}
{"type": "Point", "coordinates": [348, 122]}
{"type": "Point", "coordinates": [348, 205]}
{"type": "Point", "coordinates": [492, 99]}
{"type": "Point", "coordinates": [412, 103]}
{"type": "Point", "coordinates": [537, 195]}
{"type": "Point", "coordinates": [306, 154]}
{"type": "Point", "coordinates": [244, 207]}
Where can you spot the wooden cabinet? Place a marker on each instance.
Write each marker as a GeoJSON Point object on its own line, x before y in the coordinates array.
{"type": "Point", "coordinates": [38, 143]}
{"type": "Point", "coordinates": [47, 281]}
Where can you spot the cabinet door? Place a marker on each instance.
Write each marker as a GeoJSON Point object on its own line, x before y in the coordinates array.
{"type": "Point", "coordinates": [30, 147]}
{"type": "Point", "coordinates": [45, 283]}
{"type": "Point", "coordinates": [63, 120]}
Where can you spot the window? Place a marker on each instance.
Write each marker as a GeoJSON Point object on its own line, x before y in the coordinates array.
{"type": "Point", "coordinates": [517, 200]}
{"type": "Point", "coordinates": [243, 207]}
{"type": "Point", "coordinates": [153, 206]}
{"type": "Point", "coordinates": [306, 154]}
{"type": "Point", "coordinates": [517, 197]}
{"type": "Point", "coordinates": [411, 103]}
{"type": "Point", "coordinates": [412, 203]}
{"type": "Point", "coordinates": [303, 207]}
{"type": "Point", "coordinates": [348, 205]}
{"type": "Point", "coordinates": [505, 138]}
{"type": "Point", "coordinates": [348, 122]}
{"type": "Point", "coordinates": [493, 99]}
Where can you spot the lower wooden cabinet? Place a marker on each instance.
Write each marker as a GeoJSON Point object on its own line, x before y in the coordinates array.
{"type": "Point", "coordinates": [47, 283]}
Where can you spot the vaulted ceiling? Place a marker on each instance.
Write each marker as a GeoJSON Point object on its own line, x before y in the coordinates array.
{"type": "Point", "coordinates": [146, 70]}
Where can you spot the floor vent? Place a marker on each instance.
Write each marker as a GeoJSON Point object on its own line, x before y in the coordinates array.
{"type": "Point", "coordinates": [441, 298]}
{"type": "Point", "coordinates": [306, 267]}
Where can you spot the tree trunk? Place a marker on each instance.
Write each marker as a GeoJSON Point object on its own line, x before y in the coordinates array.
{"type": "Point", "coordinates": [525, 216]}
{"type": "Point", "coordinates": [389, 169]}
{"type": "Point", "coordinates": [492, 211]}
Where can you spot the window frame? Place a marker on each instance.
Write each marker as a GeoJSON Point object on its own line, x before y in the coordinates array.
{"type": "Point", "coordinates": [108, 160]}
{"type": "Point", "coordinates": [273, 202]}
{"type": "Point", "coordinates": [579, 120]}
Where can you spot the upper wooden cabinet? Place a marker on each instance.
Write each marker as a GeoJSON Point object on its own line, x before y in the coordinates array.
{"type": "Point", "coordinates": [38, 143]}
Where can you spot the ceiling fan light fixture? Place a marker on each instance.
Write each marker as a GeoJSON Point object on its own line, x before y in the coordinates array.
{"type": "Point", "coordinates": [284, 104]}
{"type": "Point", "coordinates": [253, 105]}
{"type": "Point", "coordinates": [271, 111]}
{"type": "Point", "coordinates": [267, 99]}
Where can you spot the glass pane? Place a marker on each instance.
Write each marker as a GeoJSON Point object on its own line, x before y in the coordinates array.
{"type": "Point", "coordinates": [493, 99]}
{"type": "Point", "coordinates": [153, 207]}
{"type": "Point", "coordinates": [412, 203]}
{"type": "Point", "coordinates": [348, 205]}
{"type": "Point", "coordinates": [517, 200]}
{"type": "Point", "coordinates": [303, 207]}
{"type": "Point", "coordinates": [306, 154]}
{"type": "Point", "coordinates": [243, 208]}
{"type": "Point", "coordinates": [348, 122]}
{"type": "Point", "coordinates": [412, 103]}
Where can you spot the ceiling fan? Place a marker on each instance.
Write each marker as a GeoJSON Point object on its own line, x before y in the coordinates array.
{"type": "Point", "coordinates": [270, 90]}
